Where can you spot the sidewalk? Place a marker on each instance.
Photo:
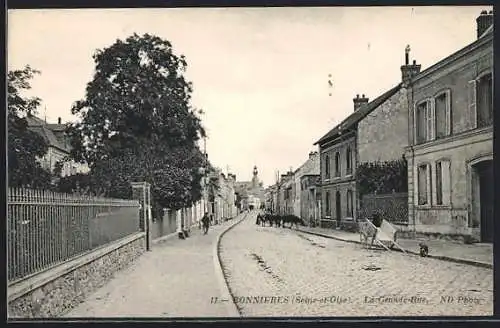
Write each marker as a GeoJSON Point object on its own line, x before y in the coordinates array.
{"type": "Point", "coordinates": [176, 279]}
{"type": "Point", "coordinates": [475, 254]}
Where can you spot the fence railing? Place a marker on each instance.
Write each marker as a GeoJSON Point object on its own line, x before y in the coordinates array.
{"type": "Point", "coordinates": [393, 207]}
{"type": "Point", "coordinates": [45, 228]}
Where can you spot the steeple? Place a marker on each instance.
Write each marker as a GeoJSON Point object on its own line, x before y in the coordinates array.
{"type": "Point", "coordinates": [255, 178]}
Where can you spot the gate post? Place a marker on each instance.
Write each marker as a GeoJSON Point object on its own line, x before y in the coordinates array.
{"type": "Point", "coordinates": [141, 192]}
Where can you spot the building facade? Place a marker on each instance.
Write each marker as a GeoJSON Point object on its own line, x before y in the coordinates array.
{"type": "Point", "coordinates": [59, 148]}
{"type": "Point", "coordinates": [222, 201]}
{"type": "Point", "coordinates": [376, 131]}
{"type": "Point", "coordinates": [284, 194]}
{"type": "Point", "coordinates": [338, 184]}
{"type": "Point", "coordinates": [310, 199]}
{"type": "Point", "coordinates": [311, 166]}
{"type": "Point", "coordinates": [252, 193]}
{"type": "Point", "coordinates": [450, 157]}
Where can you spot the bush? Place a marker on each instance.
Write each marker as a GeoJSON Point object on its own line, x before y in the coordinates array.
{"type": "Point", "coordinates": [382, 177]}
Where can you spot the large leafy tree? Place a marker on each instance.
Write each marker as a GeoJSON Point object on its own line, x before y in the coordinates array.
{"type": "Point", "coordinates": [24, 145]}
{"type": "Point", "coordinates": [137, 123]}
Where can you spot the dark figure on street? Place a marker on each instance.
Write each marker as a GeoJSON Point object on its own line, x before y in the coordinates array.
{"type": "Point", "coordinates": [259, 219]}
{"type": "Point", "coordinates": [206, 222]}
{"type": "Point", "coordinates": [292, 220]}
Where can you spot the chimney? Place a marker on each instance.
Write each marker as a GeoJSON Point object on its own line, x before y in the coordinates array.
{"type": "Point", "coordinates": [58, 120]}
{"type": "Point", "coordinates": [484, 21]}
{"type": "Point", "coordinates": [409, 71]}
{"type": "Point", "coordinates": [313, 154]}
{"type": "Point", "coordinates": [358, 102]}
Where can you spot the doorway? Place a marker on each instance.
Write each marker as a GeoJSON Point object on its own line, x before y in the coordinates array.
{"type": "Point", "coordinates": [483, 198]}
{"type": "Point", "coordinates": [337, 206]}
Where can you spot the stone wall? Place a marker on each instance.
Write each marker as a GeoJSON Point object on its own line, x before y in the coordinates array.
{"type": "Point", "coordinates": [53, 292]}
{"type": "Point", "coordinates": [383, 134]}
{"type": "Point", "coordinates": [165, 225]}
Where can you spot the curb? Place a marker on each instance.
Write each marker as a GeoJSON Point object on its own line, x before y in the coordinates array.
{"type": "Point", "coordinates": [437, 257]}
{"type": "Point", "coordinates": [232, 309]}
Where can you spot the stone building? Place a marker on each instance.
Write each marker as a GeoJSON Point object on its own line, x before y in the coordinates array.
{"type": "Point", "coordinates": [375, 131]}
{"type": "Point", "coordinates": [310, 199]}
{"type": "Point", "coordinates": [337, 162]}
{"type": "Point", "coordinates": [450, 157]}
{"type": "Point", "coordinates": [272, 198]}
{"type": "Point", "coordinates": [59, 147]}
{"type": "Point", "coordinates": [221, 202]}
{"type": "Point", "coordinates": [284, 194]}
{"type": "Point", "coordinates": [252, 193]}
{"type": "Point", "coordinates": [310, 167]}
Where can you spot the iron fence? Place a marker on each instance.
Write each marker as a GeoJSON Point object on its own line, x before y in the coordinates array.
{"type": "Point", "coordinates": [46, 228]}
{"type": "Point", "coordinates": [393, 207]}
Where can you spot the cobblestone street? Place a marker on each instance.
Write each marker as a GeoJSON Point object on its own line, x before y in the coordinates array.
{"type": "Point", "coordinates": [344, 279]}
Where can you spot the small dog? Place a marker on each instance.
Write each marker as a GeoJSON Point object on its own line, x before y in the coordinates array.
{"type": "Point", "coordinates": [424, 249]}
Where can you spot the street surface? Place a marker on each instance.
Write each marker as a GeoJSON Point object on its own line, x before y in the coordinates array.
{"type": "Point", "coordinates": [305, 275]}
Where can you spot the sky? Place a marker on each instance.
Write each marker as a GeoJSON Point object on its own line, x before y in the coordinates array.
{"type": "Point", "coordinates": [260, 74]}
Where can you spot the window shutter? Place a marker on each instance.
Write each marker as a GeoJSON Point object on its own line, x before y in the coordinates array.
{"type": "Point", "coordinates": [433, 177]}
{"type": "Point", "coordinates": [446, 182]}
{"type": "Point", "coordinates": [416, 182]}
{"type": "Point", "coordinates": [415, 124]}
{"type": "Point", "coordinates": [431, 126]}
{"type": "Point", "coordinates": [429, 185]}
{"type": "Point", "coordinates": [448, 112]}
{"type": "Point", "coordinates": [472, 105]}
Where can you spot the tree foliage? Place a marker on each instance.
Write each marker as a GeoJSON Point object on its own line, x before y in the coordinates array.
{"type": "Point", "coordinates": [137, 123]}
{"type": "Point", "coordinates": [24, 145]}
{"type": "Point", "coordinates": [382, 177]}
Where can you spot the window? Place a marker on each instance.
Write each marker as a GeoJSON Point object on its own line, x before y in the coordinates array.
{"type": "Point", "coordinates": [327, 167]}
{"type": "Point", "coordinates": [424, 117]}
{"type": "Point", "coordinates": [442, 106]}
{"type": "Point", "coordinates": [327, 203]}
{"type": "Point", "coordinates": [484, 98]}
{"type": "Point", "coordinates": [350, 212]}
{"type": "Point", "coordinates": [443, 187]}
{"type": "Point", "coordinates": [424, 182]}
{"type": "Point", "coordinates": [348, 160]}
{"type": "Point", "coordinates": [337, 164]}
{"type": "Point", "coordinates": [481, 101]}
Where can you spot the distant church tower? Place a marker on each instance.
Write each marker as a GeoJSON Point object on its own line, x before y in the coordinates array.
{"type": "Point", "coordinates": [255, 178]}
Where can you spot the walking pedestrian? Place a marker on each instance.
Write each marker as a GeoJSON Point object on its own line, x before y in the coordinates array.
{"type": "Point", "coordinates": [206, 221]}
